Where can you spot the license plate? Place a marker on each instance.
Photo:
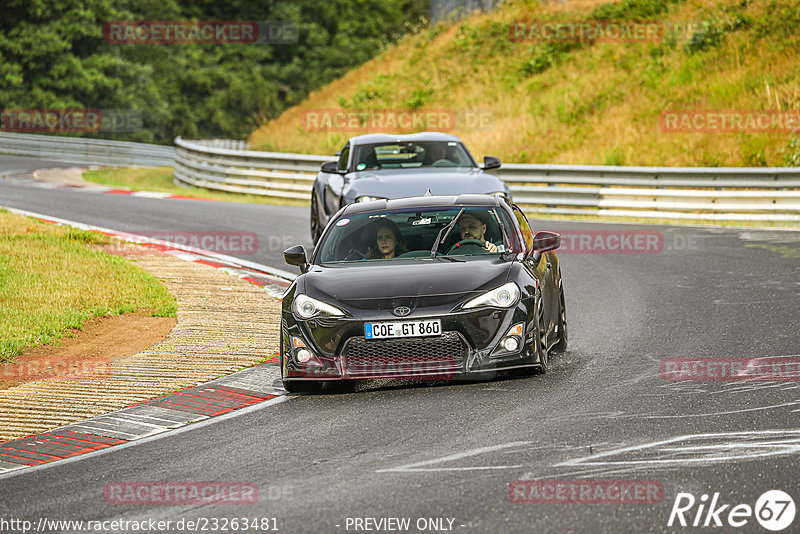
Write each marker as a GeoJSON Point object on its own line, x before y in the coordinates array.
{"type": "Point", "coordinates": [427, 327]}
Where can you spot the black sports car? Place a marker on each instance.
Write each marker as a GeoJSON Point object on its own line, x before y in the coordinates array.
{"type": "Point", "coordinates": [377, 166]}
{"type": "Point", "coordinates": [432, 286]}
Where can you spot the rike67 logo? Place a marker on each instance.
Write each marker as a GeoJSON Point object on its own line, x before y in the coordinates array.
{"type": "Point", "coordinates": [774, 510]}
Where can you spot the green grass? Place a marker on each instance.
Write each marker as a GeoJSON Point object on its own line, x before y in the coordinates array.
{"type": "Point", "coordinates": [52, 280]}
{"type": "Point", "coordinates": [160, 179]}
{"type": "Point", "coordinates": [585, 102]}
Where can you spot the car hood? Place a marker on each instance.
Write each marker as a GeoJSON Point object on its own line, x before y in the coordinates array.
{"type": "Point", "coordinates": [406, 278]}
{"type": "Point", "coordinates": [401, 183]}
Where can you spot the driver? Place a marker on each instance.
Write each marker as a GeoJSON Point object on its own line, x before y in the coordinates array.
{"type": "Point", "coordinates": [437, 155]}
{"type": "Point", "coordinates": [472, 228]}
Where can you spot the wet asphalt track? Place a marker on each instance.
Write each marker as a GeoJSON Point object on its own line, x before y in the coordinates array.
{"type": "Point", "coordinates": [450, 450]}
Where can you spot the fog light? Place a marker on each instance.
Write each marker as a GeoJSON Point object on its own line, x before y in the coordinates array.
{"type": "Point", "coordinates": [303, 355]}
{"type": "Point", "coordinates": [511, 344]}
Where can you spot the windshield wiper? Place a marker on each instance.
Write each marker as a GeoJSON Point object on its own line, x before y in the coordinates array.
{"type": "Point", "coordinates": [439, 237]}
{"type": "Point", "coordinates": [450, 258]}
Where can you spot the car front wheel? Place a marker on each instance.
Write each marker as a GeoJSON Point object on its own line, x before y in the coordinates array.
{"type": "Point", "coordinates": [540, 339]}
{"type": "Point", "coordinates": [561, 346]}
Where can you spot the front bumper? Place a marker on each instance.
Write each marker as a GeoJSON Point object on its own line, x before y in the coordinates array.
{"type": "Point", "coordinates": [469, 344]}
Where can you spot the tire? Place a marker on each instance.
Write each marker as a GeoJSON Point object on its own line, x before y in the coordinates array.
{"type": "Point", "coordinates": [540, 341]}
{"type": "Point", "coordinates": [316, 231]}
{"type": "Point", "coordinates": [305, 386]}
{"type": "Point", "coordinates": [563, 334]}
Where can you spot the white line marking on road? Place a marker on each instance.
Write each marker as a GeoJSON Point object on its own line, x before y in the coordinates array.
{"type": "Point", "coordinates": [410, 468]}
{"type": "Point", "coordinates": [175, 432]}
{"type": "Point", "coordinates": [714, 414]}
{"type": "Point", "coordinates": [737, 443]}
{"type": "Point", "coordinates": [150, 194]}
{"type": "Point", "coordinates": [749, 386]}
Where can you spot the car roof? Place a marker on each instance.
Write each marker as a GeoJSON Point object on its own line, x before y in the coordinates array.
{"type": "Point", "coordinates": [404, 138]}
{"type": "Point", "coordinates": [428, 201]}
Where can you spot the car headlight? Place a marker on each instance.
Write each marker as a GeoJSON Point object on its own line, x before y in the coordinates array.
{"type": "Point", "coordinates": [504, 296]}
{"type": "Point", "coordinates": [305, 307]}
{"type": "Point", "coordinates": [367, 198]}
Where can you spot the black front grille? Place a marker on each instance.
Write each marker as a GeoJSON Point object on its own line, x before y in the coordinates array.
{"type": "Point", "coordinates": [413, 356]}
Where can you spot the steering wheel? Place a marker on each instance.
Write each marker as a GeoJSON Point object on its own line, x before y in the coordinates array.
{"type": "Point", "coordinates": [468, 242]}
{"type": "Point", "coordinates": [354, 254]}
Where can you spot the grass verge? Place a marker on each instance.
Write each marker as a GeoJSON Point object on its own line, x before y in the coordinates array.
{"type": "Point", "coordinates": [51, 281]}
{"type": "Point", "coordinates": [160, 179]}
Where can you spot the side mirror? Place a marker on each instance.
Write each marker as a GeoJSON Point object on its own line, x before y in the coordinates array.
{"type": "Point", "coordinates": [296, 255]}
{"type": "Point", "coordinates": [544, 241]}
{"type": "Point", "coordinates": [331, 167]}
{"type": "Point", "coordinates": [491, 162]}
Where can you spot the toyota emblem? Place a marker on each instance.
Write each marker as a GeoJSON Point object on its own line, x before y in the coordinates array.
{"type": "Point", "coordinates": [402, 311]}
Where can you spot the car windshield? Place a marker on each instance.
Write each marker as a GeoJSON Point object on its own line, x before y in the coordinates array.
{"type": "Point", "coordinates": [412, 155]}
{"type": "Point", "coordinates": [411, 234]}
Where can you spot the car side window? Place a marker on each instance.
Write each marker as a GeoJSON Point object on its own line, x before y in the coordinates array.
{"type": "Point", "coordinates": [527, 235]}
{"type": "Point", "coordinates": [343, 157]}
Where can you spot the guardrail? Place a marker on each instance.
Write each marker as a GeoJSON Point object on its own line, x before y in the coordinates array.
{"type": "Point", "coordinates": [86, 151]}
{"type": "Point", "coordinates": [715, 193]}
{"type": "Point", "coordinates": [273, 174]}
{"type": "Point", "coordinates": [724, 193]}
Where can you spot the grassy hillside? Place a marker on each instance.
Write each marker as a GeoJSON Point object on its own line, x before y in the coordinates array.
{"type": "Point", "coordinates": [583, 102]}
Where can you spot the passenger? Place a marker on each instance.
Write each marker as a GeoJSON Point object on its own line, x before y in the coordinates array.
{"type": "Point", "coordinates": [473, 228]}
{"type": "Point", "coordinates": [387, 242]}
